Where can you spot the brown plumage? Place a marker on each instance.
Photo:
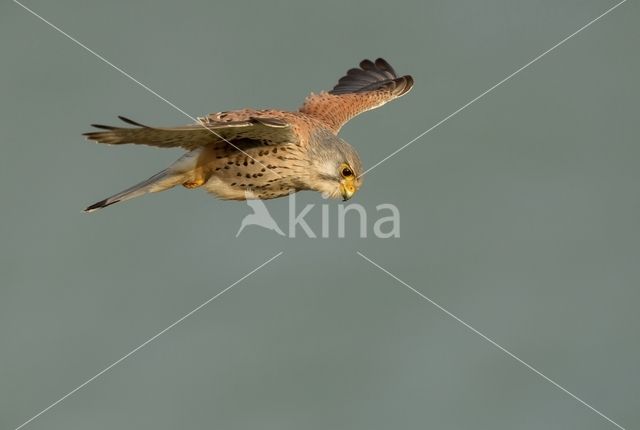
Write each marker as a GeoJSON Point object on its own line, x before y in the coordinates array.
{"type": "Point", "coordinates": [269, 153]}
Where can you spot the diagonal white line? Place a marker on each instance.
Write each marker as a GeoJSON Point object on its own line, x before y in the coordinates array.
{"type": "Point", "coordinates": [472, 101]}
{"type": "Point", "coordinates": [491, 341]}
{"type": "Point", "coordinates": [145, 343]}
{"type": "Point", "coordinates": [173, 105]}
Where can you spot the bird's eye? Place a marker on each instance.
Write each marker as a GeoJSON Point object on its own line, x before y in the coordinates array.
{"type": "Point", "coordinates": [346, 172]}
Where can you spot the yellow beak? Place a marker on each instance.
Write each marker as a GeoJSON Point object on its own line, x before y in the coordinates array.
{"type": "Point", "coordinates": [347, 189]}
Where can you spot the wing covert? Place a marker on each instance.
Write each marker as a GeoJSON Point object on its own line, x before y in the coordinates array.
{"type": "Point", "coordinates": [361, 89]}
{"type": "Point", "coordinates": [209, 130]}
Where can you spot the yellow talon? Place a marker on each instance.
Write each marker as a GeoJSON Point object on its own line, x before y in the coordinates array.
{"type": "Point", "coordinates": [193, 184]}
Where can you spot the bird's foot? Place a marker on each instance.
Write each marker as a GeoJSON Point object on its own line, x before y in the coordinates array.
{"type": "Point", "coordinates": [193, 184]}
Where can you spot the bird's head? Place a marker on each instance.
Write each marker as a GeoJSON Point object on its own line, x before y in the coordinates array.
{"type": "Point", "coordinates": [335, 167]}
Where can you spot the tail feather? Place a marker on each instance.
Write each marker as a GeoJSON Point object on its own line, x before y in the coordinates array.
{"type": "Point", "coordinates": [158, 182]}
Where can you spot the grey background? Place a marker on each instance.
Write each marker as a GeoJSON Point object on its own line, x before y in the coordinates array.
{"type": "Point", "coordinates": [520, 215]}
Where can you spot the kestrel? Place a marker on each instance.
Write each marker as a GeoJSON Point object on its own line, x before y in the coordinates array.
{"type": "Point", "coordinates": [267, 153]}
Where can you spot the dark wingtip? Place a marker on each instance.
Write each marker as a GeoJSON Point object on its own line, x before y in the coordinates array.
{"type": "Point", "coordinates": [92, 134]}
{"type": "Point", "coordinates": [132, 122]}
{"type": "Point", "coordinates": [407, 81]}
{"type": "Point", "coordinates": [104, 127]}
{"type": "Point", "coordinates": [371, 76]}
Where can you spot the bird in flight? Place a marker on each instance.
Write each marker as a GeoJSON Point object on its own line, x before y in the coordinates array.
{"type": "Point", "coordinates": [266, 153]}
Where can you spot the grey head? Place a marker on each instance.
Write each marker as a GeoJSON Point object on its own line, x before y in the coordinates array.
{"type": "Point", "coordinates": [335, 167]}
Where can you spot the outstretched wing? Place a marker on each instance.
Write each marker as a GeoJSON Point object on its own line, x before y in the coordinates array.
{"type": "Point", "coordinates": [360, 90]}
{"type": "Point", "coordinates": [232, 128]}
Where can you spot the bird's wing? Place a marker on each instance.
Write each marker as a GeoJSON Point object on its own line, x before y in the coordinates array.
{"type": "Point", "coordinates": [360, 90]}
{"type": "Point", "coordinates": [237, 129]}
